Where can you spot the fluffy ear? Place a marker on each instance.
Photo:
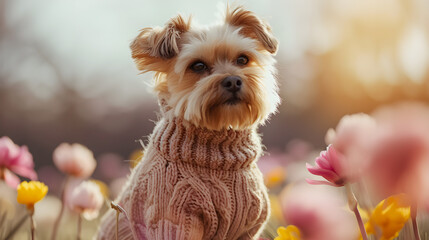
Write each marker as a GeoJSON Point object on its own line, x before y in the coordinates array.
{"type": "Point", "coordinates": [252, 26]}
{"type": "Point", "coordinates": [154, 45]}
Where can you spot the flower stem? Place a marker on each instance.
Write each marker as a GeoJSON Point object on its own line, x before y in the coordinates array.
{"type": "Point", "coordinates": [79, 226]}
{"type": "Point", "coordinates": [414, 221]}
{"type": "Point", "coordinates": [360, 222]}
{"type": "Point", "coordinates": [32, 227]}
{"type": "Point", "coordinates": [118, 208]}
{"type": "Point", "coordinates": [353, 205]}
{"type": "Point", "coordinates": [117, 223]}
{"type": "Point", "coordinates": [57, 221]}
{"type": "Point", "coordinates": [31, 213]}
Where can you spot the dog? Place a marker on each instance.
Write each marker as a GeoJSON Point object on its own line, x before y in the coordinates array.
{"type": "Point", "coordinates": [198, 178]}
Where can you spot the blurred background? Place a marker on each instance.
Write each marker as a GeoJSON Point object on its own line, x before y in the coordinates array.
{"type": "Point", "coordinates": [66, 74]}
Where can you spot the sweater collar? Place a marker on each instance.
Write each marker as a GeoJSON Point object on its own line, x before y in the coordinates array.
{"type": "Point", "coordinates": [180, 141]}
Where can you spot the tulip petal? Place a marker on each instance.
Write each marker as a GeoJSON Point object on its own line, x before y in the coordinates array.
{"type": "Point", "coordinates": [24, 171]}
{"type": "Point", "coordinates": [327, 174]}
{"type": "Point", "coordinates": [334, 159]}
{"type": "Point", "coordinates": [11, 179]}
{"type": "Point", "coordinates": [323, 163]}
{"type": "Point", "coordinates": [319, 182]}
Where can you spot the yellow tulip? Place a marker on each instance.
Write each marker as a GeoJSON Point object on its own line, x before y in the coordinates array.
{"type": "Point", "coordinates": [290, 232]}
{"type": "Point", "coordinates": [31, 192]}
{"type": "Point", "coordinates": [389, 217]}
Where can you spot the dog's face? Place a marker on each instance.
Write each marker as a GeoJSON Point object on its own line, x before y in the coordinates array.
{"type": "Point", "coordinates": [217, 77]}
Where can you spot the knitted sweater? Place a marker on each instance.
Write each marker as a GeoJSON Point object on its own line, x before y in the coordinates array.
{"type": "Point", "coordinates": [193, 183]}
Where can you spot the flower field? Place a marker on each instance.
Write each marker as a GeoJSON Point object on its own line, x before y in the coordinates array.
{"type": "Point", "coordinates": [372, 180]}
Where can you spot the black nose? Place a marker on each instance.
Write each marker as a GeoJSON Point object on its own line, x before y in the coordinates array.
{"type": "Point", "coordinates": [232, 83]}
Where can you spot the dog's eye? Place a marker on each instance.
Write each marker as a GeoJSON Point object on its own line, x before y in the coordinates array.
{"type": "Point", "coordinates": [242, 60]}
{"type": "Point", "coordinates": [199, 67]}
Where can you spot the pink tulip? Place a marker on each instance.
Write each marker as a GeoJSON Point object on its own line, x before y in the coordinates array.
{"type": "Point", "coordinates": [74, 159]}
{"type": "Point", "coordinates": [352, 131]}
{"type": "Point", "coordinates": [86, 199]}
{"type": "Point", "coordinates": [317, 213]}
{"type": "Point", "coordinates": [400, 157]}
{"type": "Point", "coordinates": [15, 159]}
{"type": "Point", "coordinates": [353, 139]}
{"type": "Point", "coordinates": [330, 166]}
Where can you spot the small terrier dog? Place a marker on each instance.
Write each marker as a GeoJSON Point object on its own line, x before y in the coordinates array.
{"type": "Point", "coordinates": [198, 178]}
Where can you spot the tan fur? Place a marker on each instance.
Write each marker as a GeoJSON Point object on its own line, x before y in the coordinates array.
{"type": "Point", "coordinates": [160, 42]}
{"type": "Point", "coordinates": [199, 97]}
{"type": "Point", "coordinates": [253, 27]}
{"type": "Point", "coordinates": [153, 47]}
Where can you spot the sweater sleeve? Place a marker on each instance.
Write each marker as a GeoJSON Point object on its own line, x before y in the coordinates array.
{"type": "Point", "coordinates": [256, 230]}
{"type": "Point", "coordinates": [192, 229]}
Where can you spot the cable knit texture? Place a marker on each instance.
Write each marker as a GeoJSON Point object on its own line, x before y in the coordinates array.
{"type": "Point", "coordinates": [193, 183]}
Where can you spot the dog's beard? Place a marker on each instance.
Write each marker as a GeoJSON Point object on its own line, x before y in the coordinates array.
{"type": "Point", "coordinates": [237, 116]}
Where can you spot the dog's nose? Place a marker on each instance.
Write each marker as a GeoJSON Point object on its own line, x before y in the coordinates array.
{"type": "Point", "coordinates": [232, 83]}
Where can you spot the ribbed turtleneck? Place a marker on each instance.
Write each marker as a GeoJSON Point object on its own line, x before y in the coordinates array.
{"type": "Point", "coordinates": [179, 141]}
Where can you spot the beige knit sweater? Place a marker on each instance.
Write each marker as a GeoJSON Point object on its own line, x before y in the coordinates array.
{"type": "Point", "coordinates": [193, 183]}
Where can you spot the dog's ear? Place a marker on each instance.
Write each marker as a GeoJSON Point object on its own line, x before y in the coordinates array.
{"type": "Point", "coordinates": [155, 45]}
{"type": "Point", "coordinates": [252, 26]}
